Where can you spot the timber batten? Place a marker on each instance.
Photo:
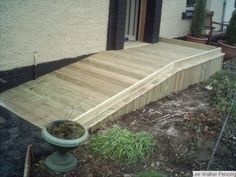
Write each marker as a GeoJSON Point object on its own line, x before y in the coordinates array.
{"type": "Point", "coordinates": [109, 84]}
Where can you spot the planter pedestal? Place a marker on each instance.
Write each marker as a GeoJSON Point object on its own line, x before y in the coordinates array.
{"type": "Point", "coordinates": [61, 162]}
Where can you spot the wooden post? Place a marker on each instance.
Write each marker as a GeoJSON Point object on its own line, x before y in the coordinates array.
{"type": "Point", "coordinates": [35, 65]}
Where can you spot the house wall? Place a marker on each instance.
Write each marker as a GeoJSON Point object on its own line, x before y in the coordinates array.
{"type": "Point", "coordinates": [229, 10]}
{"type": "Point", "coordinates": [217, 7]}
{"type": "Point", "coordinates": [172, 24]}
{"type": "Point", "coordinates": [55, 29]}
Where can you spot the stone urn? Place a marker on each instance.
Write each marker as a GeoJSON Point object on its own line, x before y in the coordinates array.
{"type": "Point", "coordinates": [62, 160]}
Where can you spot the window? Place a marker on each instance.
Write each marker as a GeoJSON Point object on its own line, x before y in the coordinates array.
{"type": "Point", "coordinates": [189, 9]}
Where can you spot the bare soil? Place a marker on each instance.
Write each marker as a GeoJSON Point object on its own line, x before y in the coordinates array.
{"type": "Point", "coordinates": [185, 128]}
{"type": "Point", "coordinates": [179, 150]}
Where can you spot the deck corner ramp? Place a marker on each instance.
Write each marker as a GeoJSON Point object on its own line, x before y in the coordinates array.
{"type": "Point", "coordinates": [175, 76]}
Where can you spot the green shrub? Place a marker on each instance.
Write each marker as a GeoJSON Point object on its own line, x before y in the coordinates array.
{"type": "Point", "coordinates": [223, 91]}
{"type": "Point", "coordinates": [198, 19]}
{"type": "Point", "coordinates": [233, 111]}
{"type": "Point", "coordinates": [233, 119]}
{"type": "Point", "coordinates": [120, 145]}
{"type": "Point", "coordinates": [231, 30]}
{"type": "Point", "coordinates": [150, 173]}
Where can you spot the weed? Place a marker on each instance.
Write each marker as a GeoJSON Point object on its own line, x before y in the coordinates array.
{"type": "Point", "coordinates": [66, 129]}
{"type": "Point", "coordinates": [223, 97]}
{"type": "Point", "coordinates": [223, 86]}
{"type": "Point", "coordinates": [151, 173]}
{"type": "Point", "coordinates": [120, 145]}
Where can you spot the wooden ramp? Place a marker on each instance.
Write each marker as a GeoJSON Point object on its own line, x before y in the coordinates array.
{"type": "Point", "coordinates": [109, 84]}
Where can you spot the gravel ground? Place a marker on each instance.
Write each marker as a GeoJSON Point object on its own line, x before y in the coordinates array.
{"type": "Point", "coordinates": [16, 135]}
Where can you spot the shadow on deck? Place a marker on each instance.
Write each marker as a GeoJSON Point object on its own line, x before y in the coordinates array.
{"type": "Point", "coordinates": [109, 84]}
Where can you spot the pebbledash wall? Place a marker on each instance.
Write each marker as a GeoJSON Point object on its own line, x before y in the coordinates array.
{"type": "Point", "coordinates": [58, 30]}
{"type": "Point", "coordinates": [53, 28]}
{"type": "Point", "coordinates": [172, 24]}
{"type": "Point", "coordinates": [217, 7]}
{"type": "Point", "coordinates": [230, 6]}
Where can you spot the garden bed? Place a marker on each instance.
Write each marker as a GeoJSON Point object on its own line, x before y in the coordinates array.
{"type": "Point", "coordinates": [184, 127]}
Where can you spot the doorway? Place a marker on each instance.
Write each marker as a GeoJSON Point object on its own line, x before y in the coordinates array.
{"type": "Point", "coordinates": [134, 20]}
{"type": "Point", "coordinates": [131, 21]}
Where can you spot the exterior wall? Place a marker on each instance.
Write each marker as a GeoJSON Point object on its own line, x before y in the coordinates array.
{"type": "Point", "coordinates": [172, 24]}
{"type": "Point", "coordinates": [217, 7]}
{"type": "Point", "coordinates": [229, 10]}
{"type": "Point", "coordinates": [55, 29]}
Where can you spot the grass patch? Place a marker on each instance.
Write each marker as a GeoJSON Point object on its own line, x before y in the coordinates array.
{"type": "Point", "coordinates": [121, 145]}
{"type": "Point", "coordinates": [151, 173]}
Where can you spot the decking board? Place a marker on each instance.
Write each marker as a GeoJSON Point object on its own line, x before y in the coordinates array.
{"type": "Point", "coordinates": [112, 83]}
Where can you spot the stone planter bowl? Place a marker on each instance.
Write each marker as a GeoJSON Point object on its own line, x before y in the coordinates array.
{"type": "Point", "coordinates": [62, 160]}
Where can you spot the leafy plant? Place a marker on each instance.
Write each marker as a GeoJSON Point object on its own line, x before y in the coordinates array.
{"type": "Point", "coordinates": [231, 126]}
{"type": "Point", "coordinates": [233, 111]}
{"type": "Point", "coordinates": [198, 19]}
{"type": "Point", "coordinates": [223, 91]}
{"type": "Point", "coordinates": [120, 145]}
{"type": "Point", "coordinates": [231, 30]}
{"type": "Point", "coordinates": [151, 173]}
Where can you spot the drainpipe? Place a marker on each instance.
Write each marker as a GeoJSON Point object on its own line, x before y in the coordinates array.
{"type": "Point", "coordinates": [35, 56]}
{"type": "Point", "coordinates": [223, 15]}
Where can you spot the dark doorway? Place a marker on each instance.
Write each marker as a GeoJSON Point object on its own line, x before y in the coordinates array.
{"type": "Point", "coordinates": [132, 19]}
{"type": "Point", "coordinates": [146, 29]}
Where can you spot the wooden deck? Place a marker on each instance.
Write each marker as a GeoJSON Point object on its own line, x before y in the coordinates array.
{"type": "Point", "coordinates": [111, 83]}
